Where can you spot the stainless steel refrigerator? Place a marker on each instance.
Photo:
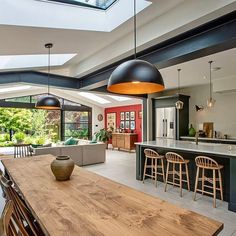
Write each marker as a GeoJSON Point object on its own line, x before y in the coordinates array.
{"type": "Point", "coordinates": [166, 122]}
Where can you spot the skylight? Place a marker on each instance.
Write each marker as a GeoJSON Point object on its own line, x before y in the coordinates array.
{"type": "Point", "coordinates": [119, 98]}
{"type": "Point", "coordinates": [99, 4]}
{"type": "Point", "coordinates": [28, 61]}
{"type": "Point", "coordinates": [39, 13]}
{"type": "Point", "coordinates": [94, 97]}
{"type": "Point", "coordinates": [12, 89]}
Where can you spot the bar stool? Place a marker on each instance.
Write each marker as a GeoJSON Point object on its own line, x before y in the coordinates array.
{"type": "Point", "coordinates": [206, 163]}
{"type": "Point", "coordinates": [154, 157]}
{"type": "Point", "coordinates": [177, 161]}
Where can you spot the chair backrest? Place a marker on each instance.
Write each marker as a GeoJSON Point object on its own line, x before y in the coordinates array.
{"type": "Point", "coordinates": [22, 214]}
{"type": "Point", "coordinates": [6, 218]}
{"type": "Point", "coordinates": [22, 150]}
{"type": "Point", "coordinates": [174, 157]}
{"type": "Point", "coordinates": [206, 162]}
{"type": "Point", "coordinates": [150, 153]}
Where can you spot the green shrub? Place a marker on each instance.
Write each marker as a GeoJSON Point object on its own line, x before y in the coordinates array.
{"type": "Point", "coordinates": [40, 140]}
{"type": "Point", "coordinates": [19, 136]}
{"type": "Point", "coordinates": [4, 137]}
{"type": "Point", "coordinates": [6, 144]}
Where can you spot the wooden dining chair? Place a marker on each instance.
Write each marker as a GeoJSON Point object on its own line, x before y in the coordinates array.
{"type": "Point", "coordinates": [9, 225]}
{"type": "Point", "coordinates": [177, 172]}
{"type": "Point", "coordinates": [204, 163]}
{"type": "Point", "coordinates": [22, 150]}
{"type": "Point", "coordinates": [154, 157]}
{"type": "Point", "coordinates": [22, 214]}
{"type": "Point", "coordinates": [6, 218]}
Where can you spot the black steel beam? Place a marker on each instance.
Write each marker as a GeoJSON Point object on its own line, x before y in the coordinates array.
{"type": "Point", "coordinates": [212, 37]}
{"type": "Point", "coordinates": [39, 78]}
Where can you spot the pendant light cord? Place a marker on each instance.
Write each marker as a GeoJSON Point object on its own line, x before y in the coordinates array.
{"type": "Point", "coordinates": [135, 31]}
{"type": "Point", "coordinates": [179, 80]}
{"type": "Point", "coordinates": [49, 66]}
{"type": "Point", "coordinates": [210, 62]}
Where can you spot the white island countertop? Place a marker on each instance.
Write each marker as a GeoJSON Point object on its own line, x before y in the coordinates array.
{"type": "Point", "coordinates": [209, 148]}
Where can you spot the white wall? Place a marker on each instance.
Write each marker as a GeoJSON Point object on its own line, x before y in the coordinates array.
{"type": "Point", "coordinates": [223, 114]}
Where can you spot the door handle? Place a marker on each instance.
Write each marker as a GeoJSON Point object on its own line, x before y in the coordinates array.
{"type": "Point", "coordinates": [163, 127]}
{"type": "Point", "coordinates": [166, 127]}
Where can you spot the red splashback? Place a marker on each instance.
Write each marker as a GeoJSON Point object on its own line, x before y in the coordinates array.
{"type": "Point", "coordinates": [138, 121]}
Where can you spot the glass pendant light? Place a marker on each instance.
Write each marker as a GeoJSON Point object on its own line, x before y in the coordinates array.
{"type": "Point", "coordinates": [210, 100]}
{"type": "Point", "coordinates": [135, 76]}
{"type": "Point", "coordinates": [179, 104]}
{"type": "Point", "coordinates": [48, 102]}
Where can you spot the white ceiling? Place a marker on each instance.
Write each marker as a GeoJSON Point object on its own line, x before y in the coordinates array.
{"type": "Point", "coordinates": [196, 72]}
{"type": "Point", "coordinates": [25, 40]}
{"type": "Point", "coordinates": [159, 21]}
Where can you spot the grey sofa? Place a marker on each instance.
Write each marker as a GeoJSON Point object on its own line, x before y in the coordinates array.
{"type": "Point", "coordinates": [82, 154]}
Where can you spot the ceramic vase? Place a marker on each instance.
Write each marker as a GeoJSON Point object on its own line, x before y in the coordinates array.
{"type": "Point", "coordinates": [62, 167]}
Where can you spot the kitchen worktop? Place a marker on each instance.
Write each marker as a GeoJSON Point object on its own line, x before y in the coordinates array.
{"type": "Point", "coordinates": [211, 148]}
{"type": "Point", "coordinates": [221, 140]}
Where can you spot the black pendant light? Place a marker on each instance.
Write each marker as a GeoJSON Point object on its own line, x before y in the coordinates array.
{"type": "Point", "coordinates": [210, 101]}
{"type": "Point", "coordinates": [135, 76]}
{"type": "Point", "coordinates": [179, 104]}
{"type": "Point", "coordinates": [48, 102]}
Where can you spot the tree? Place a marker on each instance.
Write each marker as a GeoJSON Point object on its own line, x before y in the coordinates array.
{"type": "Point", "coordinates": [16, 119]}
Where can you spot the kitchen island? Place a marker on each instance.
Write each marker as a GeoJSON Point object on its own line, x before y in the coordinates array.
{"type": "Point", "coordinates": [189, 150]}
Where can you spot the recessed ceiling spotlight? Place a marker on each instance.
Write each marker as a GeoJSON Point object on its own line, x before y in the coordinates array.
{"type": "Point", "coordinates": [215, 68]}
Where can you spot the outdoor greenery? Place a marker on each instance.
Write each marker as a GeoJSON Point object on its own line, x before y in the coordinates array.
{"type": "Point", "coordinates": [28, 125]}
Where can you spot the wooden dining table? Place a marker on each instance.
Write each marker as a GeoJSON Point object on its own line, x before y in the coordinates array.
{"type": "Point", "coordinates": [89, 204]}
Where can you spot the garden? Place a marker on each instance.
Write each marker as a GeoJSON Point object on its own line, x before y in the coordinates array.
{"type": "Point", "coordinates": [29, 126]}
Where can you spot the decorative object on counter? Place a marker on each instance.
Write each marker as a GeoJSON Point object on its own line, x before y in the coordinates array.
{"type": "Point", "coordinates": [208, 128]}
{"type": "Point", "coordinates": [122, 124]}
{"type": "Point", "coordinates": [226, 136]}
{"type": "Point", "coordinates": [179, 104]}
{"type": "Point", "coordinates": [191, 131]}
{"type": "Point", "coordinates": [135, 76]}
{"type": "Point", "coordinates": [48, 102]}
{"type": "Point", "coordinates": [210, 101]}
{"type": "Point", "coordinates": [199, 107]}
{"type": "Point", "coordinates": [62, 167]}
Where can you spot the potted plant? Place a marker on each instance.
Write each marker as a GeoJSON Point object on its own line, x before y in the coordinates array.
{"type": "Point", "coordinates": [104, 135]}
{"type": "Point", "coordinates": [19, 137]}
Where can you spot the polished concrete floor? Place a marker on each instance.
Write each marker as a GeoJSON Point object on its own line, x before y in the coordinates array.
{"type": "Point", "coordinates": [120, 167]}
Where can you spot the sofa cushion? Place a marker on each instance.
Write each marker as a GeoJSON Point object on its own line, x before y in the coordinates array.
{"type": "Point", "coordinates": [71, 141]}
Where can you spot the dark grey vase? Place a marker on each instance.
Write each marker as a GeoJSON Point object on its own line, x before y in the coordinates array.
{"type": "Point", "coordinates": [62, 167]}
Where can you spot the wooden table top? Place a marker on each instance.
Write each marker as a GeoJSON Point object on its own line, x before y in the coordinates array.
{"type": "Point", "coordinates": [90, 204]}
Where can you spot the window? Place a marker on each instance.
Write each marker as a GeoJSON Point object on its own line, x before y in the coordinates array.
{"type": "Point", "coordinates": [77, 124]}
{"type": "Point", "coordinates": [99, 4]}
